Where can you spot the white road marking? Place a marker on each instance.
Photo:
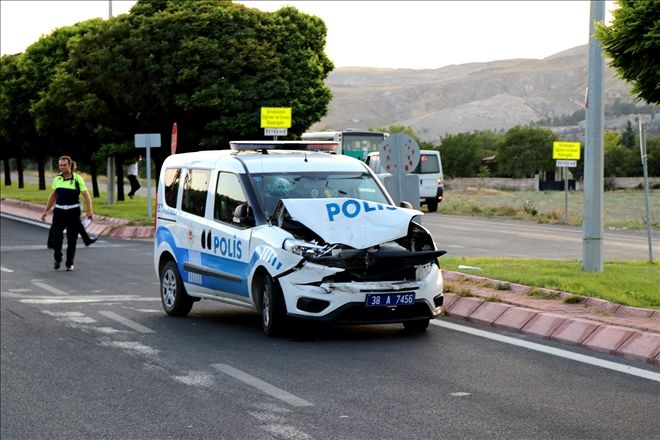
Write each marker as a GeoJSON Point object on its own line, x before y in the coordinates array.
{"type": "Point", "coordinates": [132, 347]}
{"type": "Point", "coordinates": [127, 322]}
{"type": "Point", "coordinates": [259, 384]}
{"type": "Point", "coordinates": [78, 299]}
{"type": "Point", "coordinates": [5, 269]}
{"type": "Point", "coordinates": [196, 378]}
{"type": "Point", "coordinates": [621, 368]}
{"type": "Point", "coordinates": [50, 288]}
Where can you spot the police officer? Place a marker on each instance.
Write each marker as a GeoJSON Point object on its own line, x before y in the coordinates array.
{"type": "Point", "coordinates": [67, 187]}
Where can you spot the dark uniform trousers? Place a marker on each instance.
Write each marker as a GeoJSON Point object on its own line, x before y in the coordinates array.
{"type": "Point", "coordinates": [69, 219]}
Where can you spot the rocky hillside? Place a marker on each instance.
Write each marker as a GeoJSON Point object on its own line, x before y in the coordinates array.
{"type": "Point", "coordinates": [460, 98]}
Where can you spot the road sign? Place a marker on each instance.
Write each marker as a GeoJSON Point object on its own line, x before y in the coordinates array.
{"type": "Point", "coordinates": [275, 131]}
{"type": "Point", "coordinates": [275, 117]}
{"type": "Point", "coordinates": [567, 163]}
{"type": "Point", "coordinates": [566, 150]}
{"type": "Point", "coordinates": [174, 138]}
{"type": "Point", "coordinates": [148, 140]}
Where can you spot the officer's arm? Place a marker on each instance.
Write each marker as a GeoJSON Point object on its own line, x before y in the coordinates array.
{"type": "Point", "coordinates": [88, 204]}
{"type": "Point", "coordinates": [49, 204]}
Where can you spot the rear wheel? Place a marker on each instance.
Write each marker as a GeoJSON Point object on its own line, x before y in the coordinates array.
{"type": "Point", "coordinates": [273, 312]}
{"type": "Point", "coordinates": [176, 301]}
{"type": "Point", "coordinates": [416, 326]}
{"type": "Point", "coordinates": [432, 205]}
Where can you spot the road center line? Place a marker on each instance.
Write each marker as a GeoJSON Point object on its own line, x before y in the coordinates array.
{"type": "Point", "coordinates": [621, 368]}
{"type": "Point", "coordinates": [49, 288]}
{"type": "Point", "coordinates": [5, 269]}
{"type": "Point", "coordinates": [259, 384]}
{"type": "Point", "coordinates": [127, 322]}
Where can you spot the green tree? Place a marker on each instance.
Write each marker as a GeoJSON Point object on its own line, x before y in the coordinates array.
{"type": "Point", "coordinates": [652, 156]}
{"type": "Point", "coordinates": [632, 41]}
{"type": "Point", "coordinates": [209, 66]}
{"type": "Point", "coordinates": [11, 97]}
{"type": "Point", "coordinates": [628, 137]}
{"type": "Point", "coordinates": [525, 151]}
{"type": "Point", "coordinates": [463, 153]}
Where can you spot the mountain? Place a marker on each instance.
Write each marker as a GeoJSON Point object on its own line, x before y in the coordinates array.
{"type": "Point", "coordinates": [462, 98]}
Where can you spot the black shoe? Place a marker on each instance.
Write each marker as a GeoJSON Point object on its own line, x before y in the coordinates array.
{"type": "Point", "coordinates": [57, 264]}
{"type": "Point", "coordinates": [92, 240]}
{"type": "Point", "coordinates": [69, 268]}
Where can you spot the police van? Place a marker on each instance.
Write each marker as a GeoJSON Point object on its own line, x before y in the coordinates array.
{"type": "Point", "coordinates": [292, 233]}
{"type": "Point", "coordinates": [429, 172]}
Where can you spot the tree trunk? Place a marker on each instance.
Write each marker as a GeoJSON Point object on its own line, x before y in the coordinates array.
{"type": "Point", "coordinates": [42, 173]}
{"type": "Point", "coordinates": [119, 165]}
{"type": "Point", "coordinates": [7, 172]}
{"type": "Point", "coordinates": [95, 183]}
{"type": "Point", "coordinates": [19, 169]}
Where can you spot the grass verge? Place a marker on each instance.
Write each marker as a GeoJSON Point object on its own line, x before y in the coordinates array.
{"type": "Point", "coordinates": [631, 283]}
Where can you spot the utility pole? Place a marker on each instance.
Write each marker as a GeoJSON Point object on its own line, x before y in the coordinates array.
{"type": "Point", "coordinates": [592, 227]}
{"type": "Point", "coordinates": [642, 152]}
{"type": "Point", "coordinates": [110, 188]}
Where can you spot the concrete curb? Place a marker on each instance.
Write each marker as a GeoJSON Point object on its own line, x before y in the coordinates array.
{"type": "Point", "coordinates": [592, 323]}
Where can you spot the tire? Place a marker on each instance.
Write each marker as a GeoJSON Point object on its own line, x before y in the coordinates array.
{"type": "Point", "coordinates": [432, 205]}
{"type": "Point", "coordinates": [273, 312]}
{"type": "Point", "coordinates": [173, 296]}
{"type": "Point", "coordinates": [416, 326]}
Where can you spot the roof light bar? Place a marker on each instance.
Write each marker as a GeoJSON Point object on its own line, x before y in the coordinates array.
{"type": "Point", "coordinates": [326, 146]}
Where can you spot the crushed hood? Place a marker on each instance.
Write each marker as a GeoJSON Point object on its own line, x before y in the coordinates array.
{"type": "Point", "coordinates": [352, 222]}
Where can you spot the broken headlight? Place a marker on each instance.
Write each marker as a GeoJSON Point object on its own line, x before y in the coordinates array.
{"type": "Point", "coordinates": [303, 248]}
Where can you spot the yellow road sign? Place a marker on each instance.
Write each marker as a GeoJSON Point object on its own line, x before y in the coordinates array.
{"type": "Point", "coordinates": [566, 150]}
{"type": "Point", "coordinates": [275, 117]}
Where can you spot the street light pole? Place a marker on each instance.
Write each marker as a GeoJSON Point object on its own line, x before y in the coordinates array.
{"type": "Point", "coordinates": [592, 228]}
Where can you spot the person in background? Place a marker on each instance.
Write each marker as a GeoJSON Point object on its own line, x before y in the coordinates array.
{"type": "Point", "coordinates": [133, 176]}
{"type": "Point", "coordinates": [67, 187]}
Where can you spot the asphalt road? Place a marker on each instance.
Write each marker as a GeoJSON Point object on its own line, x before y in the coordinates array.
{"type": "Point", "coordinates": [90, 354]}
{"type": "Point", "coordinates": [479, 236]}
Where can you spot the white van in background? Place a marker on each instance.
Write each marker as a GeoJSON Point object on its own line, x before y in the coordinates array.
{"type": "Point", "coordinates": [429, 170]}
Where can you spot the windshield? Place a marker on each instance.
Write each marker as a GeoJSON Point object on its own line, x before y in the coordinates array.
{"type": "Point", "coordinates": [273, 187]}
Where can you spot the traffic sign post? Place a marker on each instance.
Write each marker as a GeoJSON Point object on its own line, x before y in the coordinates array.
{"type": "Point", "coordinates": [275, 121]}
{"type": "Point", "coordinates": [148, 141]}
{"type": "Point", "coordinates": [567, 155]}
{"type": "Point", "coordinates": [399, 156]}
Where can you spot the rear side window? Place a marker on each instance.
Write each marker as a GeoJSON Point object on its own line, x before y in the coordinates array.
{"type": "Point", "coordinates": [228, 195]}
{"type": "Point", "coordinates": [195, 189]}
{"type": "Point", "coordinates": [428, 164]}
{"type": "Point", "coordinates": [172, 178]}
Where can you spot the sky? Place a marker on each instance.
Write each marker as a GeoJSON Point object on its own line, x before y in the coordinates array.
{"type": "Point", "coordinates": [386, 34]}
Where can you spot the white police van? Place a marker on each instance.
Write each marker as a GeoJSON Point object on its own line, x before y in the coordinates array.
{"type": "Point", "coordinates": [292, 233]}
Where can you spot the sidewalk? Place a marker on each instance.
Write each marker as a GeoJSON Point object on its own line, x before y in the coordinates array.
{"type": "Point", "coordinates": [598, 325]}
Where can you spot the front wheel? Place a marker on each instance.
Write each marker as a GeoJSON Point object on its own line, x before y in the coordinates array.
{"type": "Point", "coordinates": [273, 312]}
{"type": "Point", "coordinates": [173, 295]}
{"type": "Point", "coordinates": [416, 326]}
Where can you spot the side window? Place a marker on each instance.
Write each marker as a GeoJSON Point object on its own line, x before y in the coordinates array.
{"type": "Point", "coordinates": [195, 189]}
{"type": "Point", "coordinates": [228, 195]}
{"type": "Point", "coordinates": [172, 178]}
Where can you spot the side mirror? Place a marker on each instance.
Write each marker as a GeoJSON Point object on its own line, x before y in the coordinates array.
{"type": "Point", "coordinates": [404, 204]}
{"type": "Point", "coordinates": [243, 215]}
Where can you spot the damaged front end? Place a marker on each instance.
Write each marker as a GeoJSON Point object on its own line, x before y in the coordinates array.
{"type": "Point", "coordinates": [335, 275]}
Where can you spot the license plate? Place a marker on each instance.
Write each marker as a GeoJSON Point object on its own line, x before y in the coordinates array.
{"type": "Point", "coordinates": [389, 299]}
